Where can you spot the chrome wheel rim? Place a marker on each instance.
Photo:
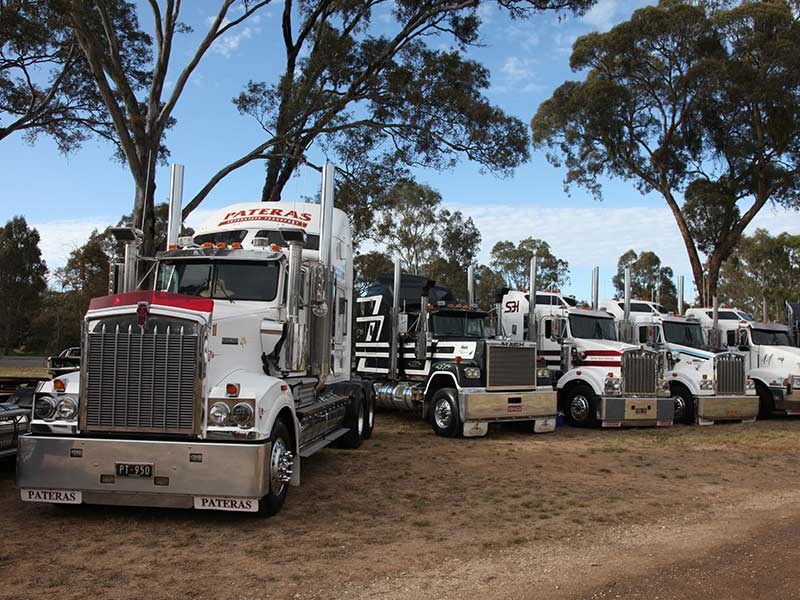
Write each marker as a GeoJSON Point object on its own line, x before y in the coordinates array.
{"type": "Point", "coordinates": [680, 407]}
{"type": "Point", "coordinates": [360, 418]}
{"type": "Point", "coordinates": [579, 408]}
{"type": "Point", "coordinates": [280, 466]}
{"type": "Point", "coordinates": [443, 413]}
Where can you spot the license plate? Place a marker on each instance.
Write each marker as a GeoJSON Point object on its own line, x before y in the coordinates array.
{"type": "Point", "coordinates": [222, 503]}
{"type": "Point", "coordinates": [52, 496]}
{"type": "Point", "coordinates": [134, 470]}
{"type": "Point", "coordinates": [515, 408]}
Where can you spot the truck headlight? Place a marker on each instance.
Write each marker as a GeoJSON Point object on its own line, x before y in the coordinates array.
{"type": "Point", "coordinates": [219, 413]}
{"type": "Point", "coordinates": [706, 384]}
{"type": "Point", "coordinates": [543, 373]}
{"type": "Point", "coordinates": [472, 372]}
{"type": "Point", "coordinates": [66, 409]}
{"type": "Point", "coordinates": [613, 386]}
{"type": "Point", "coordinates": [750, 384]}
{"type": "Point", "coordinates": [44, 408]}
{"type": "Point", "coordinates": [796, 381]}
{"type": "Point", "coordinates": [242, 414]}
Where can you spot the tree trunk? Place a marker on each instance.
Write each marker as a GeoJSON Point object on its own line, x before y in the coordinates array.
{"type": "Point", "coordinates": [144, 218]}
{"type": "Point", "coordinates": [691, 249]}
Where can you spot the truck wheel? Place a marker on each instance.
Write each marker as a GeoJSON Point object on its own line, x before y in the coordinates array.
{"type": "Point", "coordinates": [444, 413]}
{"type": "Point", "coordinates": [279, 470]}
{"type": "Point", "coordinates": [369, 413]}
{"type": "Point", "coordinates": [581, 406]}
{"type": "Point", "coordinates": [766, 403]}
{"type": "Point", "coordinates": [684, 406]}
{"type": "Point", "coordinates": [354, 420]}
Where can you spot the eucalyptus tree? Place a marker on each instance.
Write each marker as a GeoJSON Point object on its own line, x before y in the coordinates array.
{"type": "Point", "coordinates": [696, 103]}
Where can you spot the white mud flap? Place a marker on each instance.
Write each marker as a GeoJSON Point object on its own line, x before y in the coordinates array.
{"type": "Point", "coordinates": [545, 425]}
{"type": "Point", "coordinates": [475, 428]}
{"type": "Point", "coordinates": [701, 421]}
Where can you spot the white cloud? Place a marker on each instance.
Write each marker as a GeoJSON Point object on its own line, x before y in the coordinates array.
{"type": "Point", "coordinates": [59, 238]}
{"type": "Point", "coordinates": [602, 15]}
{"type": "Point", "coordinates": [518, 69]}
{"type": "Point", "coordinates": [232, 39]}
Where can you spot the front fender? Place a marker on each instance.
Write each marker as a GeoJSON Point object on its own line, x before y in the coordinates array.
{"type": "Point", "coordinates": [444, 373]}
{"type": "Point", "coordinates": [768, 377]}
{"type": "Point", "coordinates": [691, 384]}
{"type": "Point", "coordinates": [588, 376]}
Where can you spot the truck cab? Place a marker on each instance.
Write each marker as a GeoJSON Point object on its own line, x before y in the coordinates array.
{"type": "Point", "coordinates": [707, 385]}
{"type": "Point", "coordinates": [600, 380]}
{"type": "Point", "coordinates": [772, 360]}
{"type": "Point", "coordinates": [207, 391]}
{"type": "Point", "coordinates": [445, 367]}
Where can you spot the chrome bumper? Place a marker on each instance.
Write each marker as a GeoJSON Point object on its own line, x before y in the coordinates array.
{"type": "Point", "coordinates": [615, 411]}
{"type": "Point", "coordinates": [476, 404]}
{"type": "Point", "coordinates": [182, 471]}
{"type": "Point", "coordinates": [727, 408]}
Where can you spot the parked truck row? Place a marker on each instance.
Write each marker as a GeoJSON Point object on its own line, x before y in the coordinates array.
{"type": "Point", "coordinates": [248, 355]}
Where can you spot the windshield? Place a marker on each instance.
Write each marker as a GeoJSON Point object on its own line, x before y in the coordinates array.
{"type": "Point", "coordinates": [660, 309]}
{"type": "Point", "coordinates": [592, 328]}
{"type": "Point", "coordinates": [685, 334]}
{"type": "Point", "coordinates": [771, 337]}
{"type": "Point", "coordinates": [223, 280]}
{"type": "Point", "coordinates": [455, 325]}
{"type": "Point", "coordinates": [745, 315]}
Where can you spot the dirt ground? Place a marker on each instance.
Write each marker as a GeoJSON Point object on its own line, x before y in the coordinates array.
{"type": "Point", "coordinates": [686, 512]}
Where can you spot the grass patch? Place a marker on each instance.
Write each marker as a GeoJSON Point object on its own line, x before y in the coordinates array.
{"type": "Point", "coordinates": [24, 372]}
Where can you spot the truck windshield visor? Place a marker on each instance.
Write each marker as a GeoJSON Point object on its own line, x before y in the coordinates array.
{"type": "Point", "coordinates": [770, 337]}
{"type": "Point", "coordinates": [221, 280]}
{"type": "Point", "coordinates": [592, 328]}
{"type": "Point", "coordinates": [685, 334]}
{"type": "Point", "coordinates": [454, 325]}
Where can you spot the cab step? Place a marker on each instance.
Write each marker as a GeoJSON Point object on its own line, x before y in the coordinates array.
{"type": "Point", "coordinates": [320, 443]}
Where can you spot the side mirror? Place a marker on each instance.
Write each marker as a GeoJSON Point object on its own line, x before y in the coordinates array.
{"type": "Point", "coordinates": [741, 340]}
{"type": "Point", "coordinates": [557, 333]}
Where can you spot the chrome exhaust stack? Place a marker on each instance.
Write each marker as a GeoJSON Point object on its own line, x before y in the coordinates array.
{"type": "Point", "coordinates": [395, 336]}
{"type": "Point", "coordinates": [595, 288]}
{"type": "Point", "coordinates": [627, 314]}
{"type": "Point", "coordinates": [174, 219]}
{"type": "Point", "coordinates": [470, 286]}
{"type": "Point", "coordinates": [532, 299]}
{"type": "Point", "coordinates": [422, 330]}
{"type": "Point", "coordinates": [294, 355]}
{"type": "Point", "coordinates": [323, 295]}
{"type": "Point", "coordinates": [680, 295]}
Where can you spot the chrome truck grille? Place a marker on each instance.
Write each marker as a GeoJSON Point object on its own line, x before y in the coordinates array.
{"type": "Point", "coordinates": [141, 379]}
{"type": "Point", "coordinates": [639, 372]}
{"type": "Point", "coordinates": [730, 374]}
{"type": "Point", "coordinates": [510, 367]}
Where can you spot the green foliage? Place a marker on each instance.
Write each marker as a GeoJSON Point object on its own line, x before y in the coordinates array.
{"type": "Point", "coordinates": [22, 281]}
{"type": "Point", "coordinates": [406, 226]}
{"type": "Point", "coordinates": [45, 83]}
{"type": "Point", "coordinates": [367, 267]}
{"type": "Point", "coordinates": [512, 262]}
{"type": "Point", "coordinates": [764, 269]}
{"type": "Point", "coordinates": [648, 278]}
{"type": "Point", "coordinates": [686, 98]}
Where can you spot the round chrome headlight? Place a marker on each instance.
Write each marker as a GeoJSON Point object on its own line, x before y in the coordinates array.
{"type": "Point", "coordinates": [67, 409]}
{"type": "Point", "coordinates": [472, 372]}
{"type": "Point", "coordinates": [241, 414]}
{"type": "Point", "coordinates": [44, 408]}
{"type": "Point", "coordinates": [219, 413]}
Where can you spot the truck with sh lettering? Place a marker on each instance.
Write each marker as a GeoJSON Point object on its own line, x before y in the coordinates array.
{"type": "Point", "coordinates": [207, 391]}
{"type": "Point", "coordinates": [425, 351]}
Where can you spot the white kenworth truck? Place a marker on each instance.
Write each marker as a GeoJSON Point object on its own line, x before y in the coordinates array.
{"type": "Point", "coordinates": [207, 391]}
{"type": "Point", "coordinates": [600, 380]}
{"type": "Point", "coordinates": [707, 385]}
{"type": "Point", "coordinates": [772, 360]}
{"type": "Point", "coordinates": [426, 352]}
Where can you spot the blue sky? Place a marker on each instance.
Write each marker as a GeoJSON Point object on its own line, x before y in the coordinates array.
{"type": "Point", "coordinates": [65, 197]}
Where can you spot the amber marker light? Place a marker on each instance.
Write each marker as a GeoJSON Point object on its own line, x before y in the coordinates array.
{"type": "Point", "coordinates": [232, 390]}
{"type": "Point", "coordinates": [59, 385]}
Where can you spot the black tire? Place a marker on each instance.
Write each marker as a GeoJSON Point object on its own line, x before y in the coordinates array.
{"type": "Point", "coordinates": [445, 418]}
{"type": "Point", "coordinates": [766, 403]}
{"type": "Point", "coordinates": [685, 408]}
{"type": "Point", "coordinates": [272, 503]}
{"type": "Point", "coordinates": [354, 420]}
{"type": "Point", "coordinates": [369, 412]}
{"type": "Point", "coordinates": [580, 406]}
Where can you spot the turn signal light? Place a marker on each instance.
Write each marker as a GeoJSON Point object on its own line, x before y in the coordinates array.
{"type": "Point", "coordinates": [59, 385]}
{"type": "Point", "coordinates": [232, 390]}
{"type": "Point", "coordinates": [458, 359]}
{"type": "Point", "coordinates": [208, 245]}
{"type": "Point", "coordinates": [222, 245]}
{"type": "Point", "coordinates": [276, 247]}
{"type": "Point", "coordinates": [236, 246]}
{"type": "Point", "coordinates": [172, 247]}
